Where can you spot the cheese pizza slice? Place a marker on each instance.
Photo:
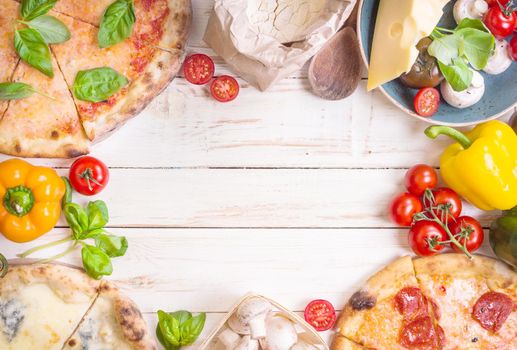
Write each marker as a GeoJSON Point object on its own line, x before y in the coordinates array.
{"type": "Point", "coordinates": [390, 312]}
{"type": "Point", "coordinates": [147, 68]}
{"type": "Point", "coordinates": [113, 322]}
{"type": "Point", "coordinates": [158, 23]}
{"type": "Point", "coordinates": [476, 300]}
{"type": "Point", "coordinates": [42, 126]}
{"type": "Point", "coordinates": [8, 57]}
{"type": "Point", "coordinates": [40, 305]}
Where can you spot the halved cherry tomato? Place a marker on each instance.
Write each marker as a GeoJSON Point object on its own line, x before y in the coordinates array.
{"type": "Point", "coordinates": [89, 175]}
{"type": "Point", "coordinates": [198, 69]}
{"type": "Point", "coordinates": [468, 229]}
{"type": "Point", "coordinates": [424, 237]}
{"type": "Point", "coordinates": [320, 314]}
{"type": "Point", "coordinates": [403, 207]}
{"type": "Point", "coordinates": [427, 102]}
{"type": "Point", "coordinates": [446, 196]}
{"type": "Point", "coordinates": [419, 178]}
{"type": "Point", "coordinates": [224, 88]}
{"type": "Point", "coordinates": [512, 48]}
{"type": "Point", "coordinates": [500, 21]}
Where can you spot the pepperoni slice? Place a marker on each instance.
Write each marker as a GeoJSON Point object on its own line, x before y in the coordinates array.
{"type": "Point", "coordinates": [492, 309]}
{"type": "Point", "coordinates": [410, 302]}
{"type": "Point", "coordinates": [419, 332]}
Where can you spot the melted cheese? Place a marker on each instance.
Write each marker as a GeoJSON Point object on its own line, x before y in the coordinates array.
{"type": "Point", "coordinates": [400, 25]}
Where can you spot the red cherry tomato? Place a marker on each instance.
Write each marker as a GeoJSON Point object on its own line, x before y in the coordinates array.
{"type": "Point", "coordinates": [497, 2]}
{"type": "Point", "coordinates": [320, 314]}
{"type": "Point", "coordinates": [512, 48]}
{"type": "Point", "coordinates": [88, 175]}
{"type": "Point", "coordinates": [427, 102]}
{"type": "Point", "coordinates": [403, 207]}
{"type": "Point", "coordinates": [224, 88]}
{"type": "Point", "coordinates": [422, 234]}
{"type": "Point", "coordinates": [198, 69]}
{"type": "Point", "coordinates": [473, 231]}
{"type": "Point", "coordinates": [500, 22]}
{"type": "Point", "coordinates": [446, 196]}
{"type": "Point", "coordinates": [419, 178]}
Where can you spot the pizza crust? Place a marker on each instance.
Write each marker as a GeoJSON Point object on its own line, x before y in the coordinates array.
{"type": "Point", "coordinates": [342, 343]}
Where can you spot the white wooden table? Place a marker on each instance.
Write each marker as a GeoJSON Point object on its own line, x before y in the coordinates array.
{"type": "Point", "coordinates": [278, 192]}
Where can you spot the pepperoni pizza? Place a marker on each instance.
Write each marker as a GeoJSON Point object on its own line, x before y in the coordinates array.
{"type": "Point", "coordinates": [58, 122]}
{"type": "Point", "coordinates": [441, 302]}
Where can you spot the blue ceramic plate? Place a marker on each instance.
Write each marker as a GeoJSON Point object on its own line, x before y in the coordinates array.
{"type": "Point", "coordinates": [501, 90]}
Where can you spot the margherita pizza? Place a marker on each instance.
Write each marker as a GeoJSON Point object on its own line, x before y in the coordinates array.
{"type": "Point", "coordinates": [125, 51]}
{"type": "Point", "coordinates": [441, 302]}
{"type": "Point", "coordinates": [54, 307]}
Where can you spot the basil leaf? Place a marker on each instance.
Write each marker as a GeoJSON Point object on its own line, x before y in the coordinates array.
{"type": "Point", "coordinates": [98, 216]}
{"type": "Point", "coordinates": [473, 23]}
{"type": "Point", "coordinates": [117, 23]}
{"type": "Point", "coordinates": [96, 262]}
{"type": "Point", "coordinates": [31, 9]}
{"type": "Point", "coordinates": [77, 218]}
{"type": "Point", "coordinates": [192, 328]}
{"type": "Point", "coordinates": [51, 29]}
{"type": "Point", "coordinates": [67, 197]}
{"type": "Point", "coordinates": [113, 246]}
{"type": "Point", "coordinates": [98, 84]}
{"type": "Point", "coordinates": [169, 328]}
{"type": "Point", "coordinates": [458, 74]}
{"type": "Point", "coordinates": [166, 345]}
{"type": "Point", "coordinates": [182, 316]}
{"type": "Point", "coordinates": [446, 48]}
{"type": "Point", "coordinates": [33, 49]}
{"type": "Point", "coordinates": [15, 91]}
{"type": "Point", "coordinates": [477, 46]}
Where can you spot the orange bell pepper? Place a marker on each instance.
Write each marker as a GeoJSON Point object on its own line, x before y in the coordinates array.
{"type": "Point", "coordinates": [30, 200]}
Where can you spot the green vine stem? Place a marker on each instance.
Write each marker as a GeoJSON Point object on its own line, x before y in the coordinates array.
{"type": "Point", "coordinates": [58, 256]}
{"type": "Point", "coordinates": [44, 246]}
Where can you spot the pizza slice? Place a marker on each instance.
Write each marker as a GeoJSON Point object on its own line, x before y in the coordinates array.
{"type": "Point", "coordinates": [148, 69]}
{"type": "Point", "coordinates": [8, 57]}
{"type": "Point", "coordinates": [113, 322]}
{"type": "Point", "coordinates": [42, 126]}
{"type": "Point", "coordinates": [40, 305]}
{"type": "Point", "coordinates": [476, 300]}
{"type": "Point", "coordinates": [158, 23]}
{"type": "Point", "coordinates": [390, 312]}
{"type": "Point", "coordinates": [343, 343]}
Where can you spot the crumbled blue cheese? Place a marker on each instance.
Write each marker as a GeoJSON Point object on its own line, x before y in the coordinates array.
{"type": "Point", "coordinates": [12, 314]}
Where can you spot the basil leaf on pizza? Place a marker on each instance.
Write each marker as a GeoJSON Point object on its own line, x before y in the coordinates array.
{"type": "Point", "coordinates": [32, 48]}
{"type": "Point", "coordinates": [51, 29]}
{"type": "Point", "coordinates": [117, 23]}
{"type": "Point", "coordinates": [31, 9]}
{"type": "Point", "coordinates": [98, 84]}
{"type": "Point", "coordinates": [15, 91]}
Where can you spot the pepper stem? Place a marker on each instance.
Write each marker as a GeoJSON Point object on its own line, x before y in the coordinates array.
{"type": "Point", "coordinates": [437, 130]}
{"type": "Point", "coordinates": [18, 200]}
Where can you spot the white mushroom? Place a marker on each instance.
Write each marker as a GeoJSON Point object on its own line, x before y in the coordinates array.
{"type": "Point", "coordinates": [229, 339]}
{"type": "Point", "coordinates": [303, 346]}
{"type": "Point", "coordinates": [247, 344]}
{"type": "Point", "coordinates": [465, 98]}
{"type": "Point", "coordinates": [500, 60]}
{"type": "Point", "coordinates": [469, 9]}
{"type": "Point", "coordinates": [250, 318]}
{"type": "Point", "coordinates": [280, 334]}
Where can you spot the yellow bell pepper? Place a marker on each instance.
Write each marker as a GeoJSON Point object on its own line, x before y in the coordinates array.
{"type": "Point", "coordinates": [30, 198]}
{"type": "Point", "coordinates": [482, 165]}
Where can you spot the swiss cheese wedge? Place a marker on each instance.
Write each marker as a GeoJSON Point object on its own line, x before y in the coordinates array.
{"type": "Point", "coordinates": [399, 27]}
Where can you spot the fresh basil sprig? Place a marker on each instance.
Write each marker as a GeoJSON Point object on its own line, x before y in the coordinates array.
{"type": "Point", "coordinates": [32, 48]}
{"type": "Point", "coordinates": [179, 328]}
{"type": "Point", "coordinates": [31, 9]}
{"type": "Point", "coordinates": [15, 91]}
{"type": "Point", "coordinates": [51, 29]}
{"type": "Point", "coordinates": [471, 42]}
{"type": "Point", "coordinates": [98, 84]}
{"type": "Point", "coordinates": [117, 23]}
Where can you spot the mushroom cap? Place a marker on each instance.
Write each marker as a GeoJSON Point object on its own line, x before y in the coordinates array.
{"type": "Point", "coordinates": [466, 98]}
{"type": "Point", "coordinates": [281, 334]}
{"type": "Point", "coordinates": [500, 61]}
{"type": "Point", "coordinates": [469, 9]}
{"type": "Point", "coordinates": [237, 326]}
{"type": "Point", "coordinates": [253, 307]}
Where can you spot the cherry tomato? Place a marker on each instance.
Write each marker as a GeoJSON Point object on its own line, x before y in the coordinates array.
{"type": "Point", "coordinates": [497, 2]}
{"type": "Point", "coordinates": [424, 232]}
{"type": "Point", "coordinates": [500, 22]}
{"type": "Point", "coordinates": [224, 88]}
{"type": "Point", "coordinates": [419, 178]}
{"type": "Point", "coordinates": [88, 175]}
{"type": "Point", "coordinates": [320, 314]}
{"type": "Point", "coordinates": [446, 196]}
{"type": "Point", "coordinates": [472, 228]}
{"type": "Point", "coordinates": [512, 48]}
{"type": "Point", "coordinates": [403, 207]}
{"type": "Point", "coordinates": [198, 69]}
{"type": "Point", "coordinates": [427, 102]}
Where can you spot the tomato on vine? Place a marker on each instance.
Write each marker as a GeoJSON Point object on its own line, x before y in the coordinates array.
{"type": "Point", "coordinates": [445, 203]}
{"type": "Point", "coordinates": [88, 175]}
{"type": "Point", "coordinates": [420, 178]}
{"type": "Point", "coordinates": [403, 207]}
{"type": "Point", "coordinates": [469, 233]}
{"type": "Point", "coordinates": [501, 20]}
{"type": "Point", "coordinates": [425, 238]}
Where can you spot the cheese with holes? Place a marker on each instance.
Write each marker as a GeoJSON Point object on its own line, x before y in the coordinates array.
{"type": "Point", "coordinates": [400, 26]}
